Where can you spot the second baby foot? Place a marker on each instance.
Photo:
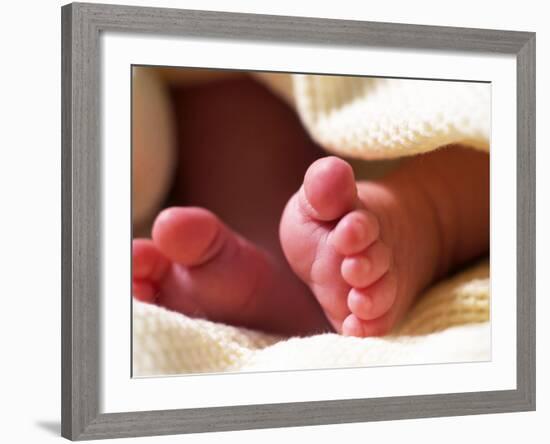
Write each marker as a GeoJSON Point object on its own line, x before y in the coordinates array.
{"type": "Point", "coordinates": [343, 242]}
{"type": "Point", "coordinates": [196, 265]}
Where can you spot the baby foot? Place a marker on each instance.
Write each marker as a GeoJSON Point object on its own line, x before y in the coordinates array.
{"type": "Point", "coordinates": [343, 247]}
{"type": "Point", "coordinates": [196, 265]}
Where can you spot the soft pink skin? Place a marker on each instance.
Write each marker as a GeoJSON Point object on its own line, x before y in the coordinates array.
{"type": "Point", "coordinates": [196, 265]}
{"type": "Point", "coordinates": [246, 279]}
{"type": "Point", "coordinates": [333, 243]}
{"type": "Point", "coordinates": [365, 250]}
{"type": "Point", "coordinates": [357, 253]}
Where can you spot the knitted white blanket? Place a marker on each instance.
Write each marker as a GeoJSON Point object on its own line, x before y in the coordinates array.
{"type": "Point", "coordinates": [374, 118]}
{"type": "Point", "coordinates": [449, 324]}
{"type": "Point", "coordinates": [371, 119]}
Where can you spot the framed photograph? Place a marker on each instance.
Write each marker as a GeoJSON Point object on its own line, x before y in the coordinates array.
{"type": "Point", "coordinates": [273, 221]}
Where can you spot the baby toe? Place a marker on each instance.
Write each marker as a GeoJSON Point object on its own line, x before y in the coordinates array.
{"type": "Point", "coordinates": [374, 301]}
{"type": "Point", "coordinates": [362, 270]}
{"type": "Point", "coordinates": [147, 261]}
{"type": "Point", "coordinates": [188, 236]}
{"type": "Point", "coordinates": [148, 267]}
{"type": "Point", "coordinates": [144, 291]}
{"type": "Point", "coordinates": [356, 270]}
{"type": "Point", "coordinates": [354, 326]}
{"type": "Point", "coordinates": [329, 190]}
{"type": "Point", "coordinates": [355, 232]}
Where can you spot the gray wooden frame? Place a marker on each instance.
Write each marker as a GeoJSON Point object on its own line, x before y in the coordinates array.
{"type": "Point", "coordinates": [81, 230]}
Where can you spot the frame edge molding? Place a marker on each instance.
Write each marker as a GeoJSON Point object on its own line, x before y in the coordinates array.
{"type": "Point", "coordinates": [526, 221]}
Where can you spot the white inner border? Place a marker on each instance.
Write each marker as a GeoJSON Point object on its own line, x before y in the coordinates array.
{"type": "Point", "coordinates": [121, 393]}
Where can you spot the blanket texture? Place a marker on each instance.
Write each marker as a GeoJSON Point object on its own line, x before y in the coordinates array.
{"type": "Point", "coordinates": [448, 324]}
{"type": "Point", "coordinates": [364, 118]}
{"type": "Point", "coordinates": [378, 118]}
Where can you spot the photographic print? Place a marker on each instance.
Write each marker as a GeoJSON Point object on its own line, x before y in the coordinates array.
{"type": "Point", "coordinates": [289, 221]}
{"type": "Point", "coordinates": [275, 221]}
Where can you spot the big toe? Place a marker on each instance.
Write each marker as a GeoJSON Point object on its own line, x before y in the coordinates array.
{"type": "Point", "coordinates": [329, 190]}
{"type": "Point", "coordinates": [187, 235]}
